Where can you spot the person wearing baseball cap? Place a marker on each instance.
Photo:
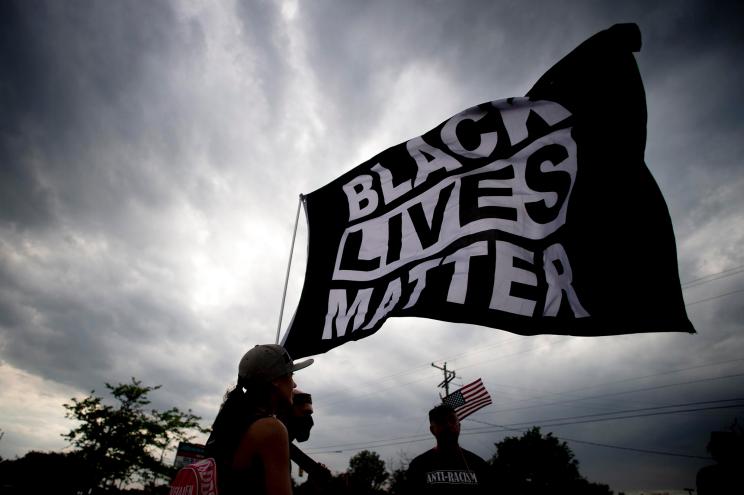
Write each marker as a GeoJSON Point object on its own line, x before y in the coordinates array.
{"type": "Point", "coordinates": [248, 442]}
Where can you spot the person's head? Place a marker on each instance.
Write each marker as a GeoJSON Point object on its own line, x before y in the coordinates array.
{"type": "Point", "coordinates": [444, 425]}
{"type": "Point", "coordinates": [722, 446]}
{"type": "Point", "coordinates": [299, 421]}
{"type": "Point", "coordinates": [267, 370]}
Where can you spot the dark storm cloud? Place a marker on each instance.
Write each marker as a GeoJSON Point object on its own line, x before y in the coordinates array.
{"type": "Point", "coordinates": [458, 41]}
{"type": "Point", "coordinates": [490, 49]}
{"type": "Point", "coordinates": [693, 94]}
{"type": "Point", "coordinates": [84, 127]}
{"type": "Point", "coordinates": [263, 30]}
{"type": "Point", "coordinates": [492, 46]}
{"type": "Point", "coordinates": [56, 326]}
{"type": "Point", "coordinates": [74, 72]}
{"type": "Point", "coordinates": [23, 199]}
{"type": "Point", "coordinates": [691, 29]}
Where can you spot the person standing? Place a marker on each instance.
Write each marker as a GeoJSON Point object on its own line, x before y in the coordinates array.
{"type": "Point", "coordinates": [299, 418]}
{"type": "Point", "coordinates": [447, 468]}
{"type": "Point", "coordinates": [299, 422]}
{"type": "Point", "coordinates": [249, 444]}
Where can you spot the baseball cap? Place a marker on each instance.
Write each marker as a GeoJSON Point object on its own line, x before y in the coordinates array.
{"type": "Point", "coordinates": [267, 362]}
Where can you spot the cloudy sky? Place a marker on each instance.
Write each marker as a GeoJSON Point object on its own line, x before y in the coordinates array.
{"type": "Point", "coordinates": [151, 158]}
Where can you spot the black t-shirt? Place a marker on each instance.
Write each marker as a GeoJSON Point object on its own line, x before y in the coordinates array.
{"type": "Point", "coordinates": [437, 472]}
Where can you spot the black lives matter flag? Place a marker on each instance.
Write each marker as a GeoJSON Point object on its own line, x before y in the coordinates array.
{"type": "Point", "coordinates": [533, 215]}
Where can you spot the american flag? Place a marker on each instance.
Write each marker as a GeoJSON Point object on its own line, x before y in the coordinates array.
{"type": "Point", "coordinates": [468, 399]}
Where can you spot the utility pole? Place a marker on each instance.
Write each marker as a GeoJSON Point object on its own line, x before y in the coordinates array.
{"type": "Point", "coordinates": [449, 375]}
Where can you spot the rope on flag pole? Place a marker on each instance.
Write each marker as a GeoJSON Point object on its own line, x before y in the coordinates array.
{"type": "Point", "coordinates": [289, 265]}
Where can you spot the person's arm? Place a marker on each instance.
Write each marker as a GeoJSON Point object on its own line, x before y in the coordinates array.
{"type": "Point", "coordinates": [267, 439]}
{"type": "Point", "coordinates": [313, 468]}
{"type": "Point", "coordinates": [274, 453]}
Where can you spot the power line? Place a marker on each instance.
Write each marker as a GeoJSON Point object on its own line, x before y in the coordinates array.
{"type": "Point", "coordinates": [716, 276]}
{"type": "Point", "coordinates": [625, 392]}
{"type": "Point", "coordinates": [547, 424]}
{"type": "Point", "coordinates": [606, 445]}
{"type": "Point", "coordinates": [615, 382]}
{"type": "Point", "coordinates": [612, 394]}
{"type": "Point", "coordinates": [420, 438]}
{"type": "Point", "coordinates": [677, 370]}
{"type": "Point", "coordinates": [715, 297]}
{"type": "Point", "coordinates": [634, 449]}
{"type": "Point", "coordinates": [644, 410]}
{"type": "Point", "coordinates": [543, 423]}
{"type": "Point", "coordinates": [493, 412]}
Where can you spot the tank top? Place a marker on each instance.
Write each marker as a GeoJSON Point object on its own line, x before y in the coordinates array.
{"type": "Point", "coordinates": [227, 431]}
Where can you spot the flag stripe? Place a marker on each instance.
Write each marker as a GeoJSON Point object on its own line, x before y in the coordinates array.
{"type": "Point", "coordinates": [485, 400]}
{"type": "Point", "coordinates": [477, 383]}
{"type": "Point", "coordinates": [468, 410]}
{"type": "Point", "coordinates": [477, 405]}
{"type": "Point", "coordinates": [470, 398]}
{"type": "Point", "coordinates": [476, 395]}
{"type": "Point", "coordinates": [475, 401]}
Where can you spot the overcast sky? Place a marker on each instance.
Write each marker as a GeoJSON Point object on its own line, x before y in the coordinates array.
{"type": "Point", "coordinates": [151, 158]}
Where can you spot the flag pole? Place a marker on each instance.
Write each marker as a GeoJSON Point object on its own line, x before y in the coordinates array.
{"type": "Point", "coordinates": [289, 265]}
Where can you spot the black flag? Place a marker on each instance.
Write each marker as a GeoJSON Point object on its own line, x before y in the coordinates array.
{"type": "Point", "coordinates": [534, 215]}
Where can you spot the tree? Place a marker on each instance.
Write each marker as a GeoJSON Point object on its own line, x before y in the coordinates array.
{"type": "Point", "coordinates": [126, 443]}
{"type": "Point", "coordinates": [398, 479]}
{"type": "Point", "coordinates": [535, 464]}
{"type": "Point", "coordinates": [366, 472]}
{"type": "Point", "coordinates": [727, 450]}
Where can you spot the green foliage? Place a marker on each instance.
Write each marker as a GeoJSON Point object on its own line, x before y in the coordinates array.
{"type": "Point", "coordinates": [398, 481]}
{"type": "Point", "coordinates": [366, 472]}
{"type": "Point", "coordinates": [535, 464]}
{"type": "Point", "coordinates": [126, 443]}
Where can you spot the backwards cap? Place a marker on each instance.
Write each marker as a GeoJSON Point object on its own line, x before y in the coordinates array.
{"type": "Point", "coordinates": [267, 362]}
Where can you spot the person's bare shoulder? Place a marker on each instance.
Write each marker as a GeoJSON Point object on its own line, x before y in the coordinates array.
{"type": "Point", "coordinates": [268, 430]}
{"type": "Point", "coordinates": [264, 434]}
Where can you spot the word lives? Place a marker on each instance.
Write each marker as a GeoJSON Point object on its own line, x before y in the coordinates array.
{"type": "Point", "coordinates": [486, 193]}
